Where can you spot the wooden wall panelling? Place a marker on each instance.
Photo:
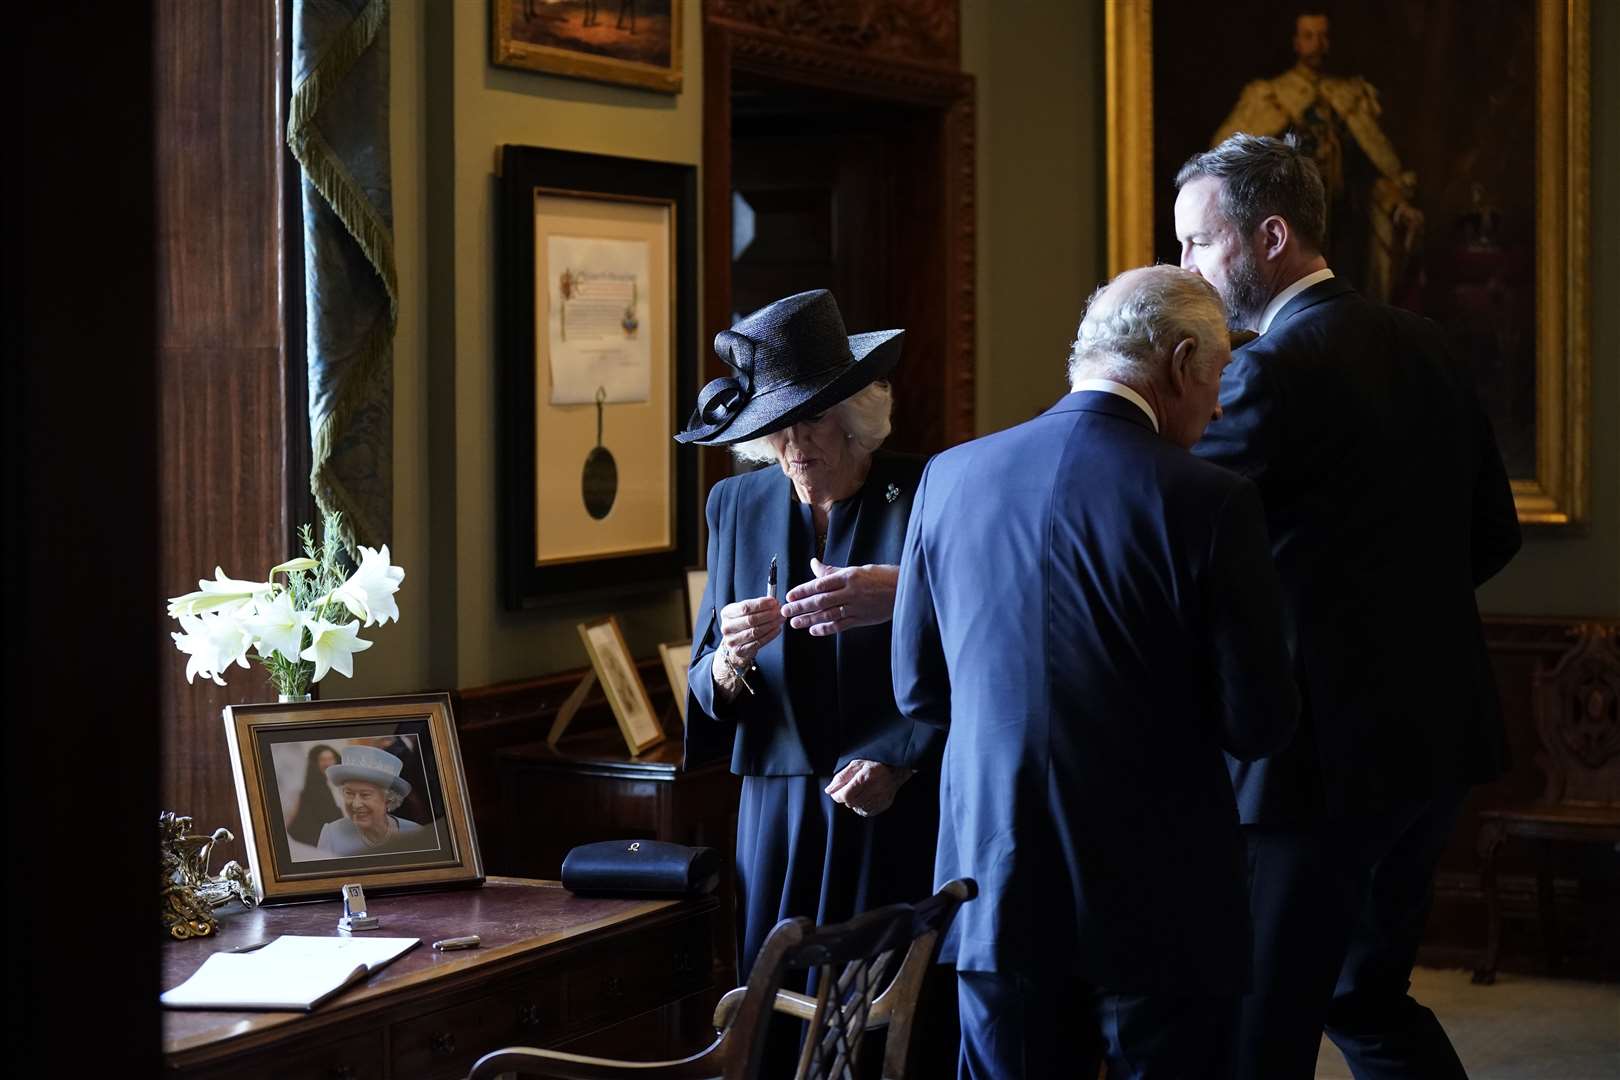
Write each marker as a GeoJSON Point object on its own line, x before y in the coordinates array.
{"type": "Point", "coordinates": [222, 357]}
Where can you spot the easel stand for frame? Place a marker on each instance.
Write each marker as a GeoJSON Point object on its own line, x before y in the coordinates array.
{"type": "Point", "coordinates": [566, 711]}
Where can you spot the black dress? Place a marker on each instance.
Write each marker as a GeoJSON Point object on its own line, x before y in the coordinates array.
{"type": "Point", "coordinates": [819, 703]}
{"type": "Point", "coordinates": [798, 852]}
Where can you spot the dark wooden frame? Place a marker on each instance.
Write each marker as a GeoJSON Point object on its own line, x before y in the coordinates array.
{"type": "Point", "coordinates": [243, 722]}
{"type": "Point", "coordinates": [733, 46]}
{"type": "Point", "coordinates": [522, 170]}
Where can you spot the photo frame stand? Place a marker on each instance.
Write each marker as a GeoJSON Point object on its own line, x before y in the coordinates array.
{"type": "Point", "coordinates": [570, 706]}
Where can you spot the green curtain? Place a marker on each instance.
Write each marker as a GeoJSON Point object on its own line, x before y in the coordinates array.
{"type": "Point", "coordinates": [338, 130]}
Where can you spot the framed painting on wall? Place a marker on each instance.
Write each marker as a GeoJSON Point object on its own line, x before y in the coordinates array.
{"type": "Point", "coordinates": [1454, 148]}
{"type": "Point", "coordinates": [599, 294]}
{"type": "Point", "coordinates": [632, 42]}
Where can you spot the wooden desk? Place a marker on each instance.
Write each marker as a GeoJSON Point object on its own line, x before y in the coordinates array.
{"type": "Point", "coordinates": [633, 978]}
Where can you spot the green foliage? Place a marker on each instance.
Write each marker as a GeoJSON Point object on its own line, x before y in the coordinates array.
{"type": "Point", "coordinates": [292, 678]}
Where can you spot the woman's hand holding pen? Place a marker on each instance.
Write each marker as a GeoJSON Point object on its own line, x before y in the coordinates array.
{"type": "Point", "coordinates": [747, 626]}
{"type": "Point", "coordinates": [842, 597]}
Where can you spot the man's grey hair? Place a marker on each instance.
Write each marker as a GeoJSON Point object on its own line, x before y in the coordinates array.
{"type": "Point", "coordinates": [864, 417]}
{"type": "Point", "coordinates": [1133, 323]}
{"type": "Point", "coordinates": [1261, 176]}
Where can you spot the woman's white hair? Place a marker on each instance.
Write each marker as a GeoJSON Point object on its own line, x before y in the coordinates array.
{"type": "Point", "coordinates": [1132, 324]}
{"type": "Point", "coordinates": [864, 417]}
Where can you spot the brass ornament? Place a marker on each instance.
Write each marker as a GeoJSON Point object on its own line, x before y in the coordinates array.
{"type": "Point", "coordinates": [189, 893]}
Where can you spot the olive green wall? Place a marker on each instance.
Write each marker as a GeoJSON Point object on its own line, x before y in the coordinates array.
{"type": "Point", "coordinates": [1039, 70]}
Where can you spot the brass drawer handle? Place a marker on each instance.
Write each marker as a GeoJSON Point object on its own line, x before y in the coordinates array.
{"type": "Point", "coordinates": [444, 1043]}
{"type": "Point", "coordinates": [529, 1015]}
{"type": "Point", "coordinates": [613, 988]}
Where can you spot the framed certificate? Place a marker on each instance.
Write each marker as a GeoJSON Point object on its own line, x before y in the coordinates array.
{"type": "Point", "coordinates": [598, 365]}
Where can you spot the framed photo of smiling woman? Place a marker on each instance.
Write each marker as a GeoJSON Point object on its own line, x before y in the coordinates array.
{"type": "Point", "coordinates": [365, 790]}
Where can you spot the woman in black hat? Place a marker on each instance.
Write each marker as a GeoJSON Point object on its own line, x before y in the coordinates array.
{"type": "Point", "coordinates": [840, 799]}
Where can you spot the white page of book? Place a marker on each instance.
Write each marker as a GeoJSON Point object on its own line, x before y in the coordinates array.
{"type": "Point", "coordinates": [290, 973]}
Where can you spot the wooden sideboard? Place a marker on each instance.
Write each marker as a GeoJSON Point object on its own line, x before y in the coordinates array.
{"type": "Point", "coordinates": [633, 978]}
{"type": "Point", "coordinates": [589, 788]}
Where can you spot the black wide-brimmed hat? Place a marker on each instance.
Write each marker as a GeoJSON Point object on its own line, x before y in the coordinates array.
{"type": "Point", "coordinates": [790, 360]}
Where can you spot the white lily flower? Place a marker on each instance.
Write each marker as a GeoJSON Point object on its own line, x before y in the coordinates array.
{"type": "Point", "coordinates": [277, 627]}
{"type": "Point", "coordinates": [333, 647]}
{"type": "Point", "coordinates": [369, 592]}
{"type": "Point", "coordinates": [213, 641]}
{"type": "Point", "coordinates": [303, 562]}
{"type": "Point", "coordinates": [221, 594]}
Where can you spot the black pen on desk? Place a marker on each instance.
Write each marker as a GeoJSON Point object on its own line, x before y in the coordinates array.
{"type": "Point", "coordinates": [251, 947]}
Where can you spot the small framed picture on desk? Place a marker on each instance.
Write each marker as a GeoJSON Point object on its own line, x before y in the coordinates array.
{"type": "Point", "coordinates": [364, 790]}
{"type": "Point", "coordinates": [621, 685]}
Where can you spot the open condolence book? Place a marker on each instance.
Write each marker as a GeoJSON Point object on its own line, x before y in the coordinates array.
{"type": "Point", "coordinates": [289, 973]}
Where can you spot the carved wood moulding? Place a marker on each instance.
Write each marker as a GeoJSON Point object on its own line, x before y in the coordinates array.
{"type": "Point", "coordinates": [840, 69]}
{"type": "Point", "coordinates": [925, 32]}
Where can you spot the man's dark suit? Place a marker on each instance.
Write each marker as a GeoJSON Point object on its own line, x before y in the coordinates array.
{"type": "Point", "coordinates": [1387, 503]}
{"type": "Point", "coordinates": [1092, 613]}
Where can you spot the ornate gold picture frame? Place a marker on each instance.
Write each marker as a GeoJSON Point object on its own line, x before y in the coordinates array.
{"type": "Point", "coordinates": [1491, 119]}
{"type": "Point", "coordinates": [361, 790]}
{"type": "Point", "coordinates": [630, 42]}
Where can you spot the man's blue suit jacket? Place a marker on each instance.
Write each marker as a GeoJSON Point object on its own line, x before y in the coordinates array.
{"type": "Point", "coordinates": [1093, 614]}
{"type": "Point", "coordinates": [1387, 503]}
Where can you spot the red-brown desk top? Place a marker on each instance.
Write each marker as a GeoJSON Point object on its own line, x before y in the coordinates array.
{"type": "Point", "coordinates": [517, 918]}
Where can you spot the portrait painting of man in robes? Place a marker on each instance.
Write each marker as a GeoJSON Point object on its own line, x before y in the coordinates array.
{"type": "Point", "coordinates": [1422, 119]}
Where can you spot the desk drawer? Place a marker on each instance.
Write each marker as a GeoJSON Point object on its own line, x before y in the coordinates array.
{"type": "Point", "coordinates": [359, 1057]}
{"type": "Point", "coordinates": [447, 1042]}
{"type": "Point", "coordinates": [588, 989]}
{"type": "Point", "coordinates": [615, 980]}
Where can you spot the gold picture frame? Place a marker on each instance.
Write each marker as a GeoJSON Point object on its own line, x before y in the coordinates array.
{"type": "Point", "coordinates": [677, 657]}
{"type": "Point", "coordinates": [1549, 478]}
{"type": "Point", "coordinates": [621, 684]}
{"type": "Point", "coordinates": [631, 44]}
{"type": "Point", "coordinates": [306, 839]}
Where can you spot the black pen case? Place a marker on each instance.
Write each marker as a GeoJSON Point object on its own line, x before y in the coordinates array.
{"type": "Point", "coordinates": [640, 868]}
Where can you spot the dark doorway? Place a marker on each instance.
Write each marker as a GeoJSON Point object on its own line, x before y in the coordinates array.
{"type": "Point", "coordinates": [832, 191]}
{"type": "Point", "coordinates": [851, 171]}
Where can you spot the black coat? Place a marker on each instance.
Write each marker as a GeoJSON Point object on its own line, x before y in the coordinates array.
{"type": "Point", "coordinates": [1387, 504]}
{"type": "Point", "coordinates": [750, 518]}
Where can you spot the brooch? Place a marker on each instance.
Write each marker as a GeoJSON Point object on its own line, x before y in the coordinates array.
{"type": "Point", "coordinates": [891, 493]}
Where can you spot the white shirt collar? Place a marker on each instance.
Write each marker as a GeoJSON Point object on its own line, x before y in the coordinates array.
{"type": "Point", "coordinates": [1289, 293]}
{"type": "Point", "coordinates": [1109, 386]}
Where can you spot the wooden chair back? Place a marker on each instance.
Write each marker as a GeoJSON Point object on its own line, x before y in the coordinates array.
{"type": "Point", "coordinates": [1577, 710]}
{"type": "Point", "coordinates": [851, 961]}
